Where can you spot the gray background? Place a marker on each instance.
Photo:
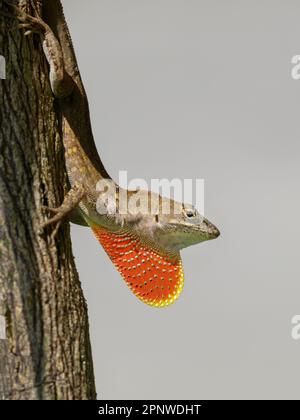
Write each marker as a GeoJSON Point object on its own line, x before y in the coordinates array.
{"type": "Point", "coordinates": [199, 89]}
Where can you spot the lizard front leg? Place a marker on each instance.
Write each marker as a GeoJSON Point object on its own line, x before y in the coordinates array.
{"type": "Point", "coordinates": [71, 201]}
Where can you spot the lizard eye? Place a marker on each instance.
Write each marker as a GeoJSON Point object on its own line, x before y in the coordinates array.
{"type": "Point", "coordinates": [190, 213]}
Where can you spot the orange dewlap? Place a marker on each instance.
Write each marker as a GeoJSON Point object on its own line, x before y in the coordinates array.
{"type": "Point", "coordinates": [154, 278]}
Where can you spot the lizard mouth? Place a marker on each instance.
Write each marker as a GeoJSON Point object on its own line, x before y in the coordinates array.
{"type": "Point", "coordinates": [211, 230]}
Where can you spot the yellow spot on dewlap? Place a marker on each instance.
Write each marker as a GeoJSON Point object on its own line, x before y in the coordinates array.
{"type": "Point", "coordinates": [147, 280]}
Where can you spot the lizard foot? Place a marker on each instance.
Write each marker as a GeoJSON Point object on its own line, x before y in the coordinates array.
{"type": "Point", "coordinates": [30, 23]}
{"type": "Point", "coordinates": [60, 214]}
{"type": "Point", "coordinates": [71, 201]}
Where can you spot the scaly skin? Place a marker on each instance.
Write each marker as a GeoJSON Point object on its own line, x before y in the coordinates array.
{"type": "Point", "coordinates": [143, 246]}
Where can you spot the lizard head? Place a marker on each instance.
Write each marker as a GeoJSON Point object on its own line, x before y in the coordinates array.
{"type": "Point", "coordinates": [175, 231]}
{"type": "Point", "coordinates": [172, 226]}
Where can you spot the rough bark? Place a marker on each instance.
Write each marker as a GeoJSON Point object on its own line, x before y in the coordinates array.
{"type": "Point", "coordinates": [47, 353]}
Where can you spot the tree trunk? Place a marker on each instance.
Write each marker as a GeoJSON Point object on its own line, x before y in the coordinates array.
{"type": "Point", "coordinates": [47, 352]}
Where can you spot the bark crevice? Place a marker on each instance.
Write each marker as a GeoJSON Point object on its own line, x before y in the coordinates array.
{"type": "Point", "coordinates": [47, 353]}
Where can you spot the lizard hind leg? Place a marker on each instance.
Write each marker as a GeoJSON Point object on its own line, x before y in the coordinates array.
{"type": "Point", "coordinates": [61, 83]}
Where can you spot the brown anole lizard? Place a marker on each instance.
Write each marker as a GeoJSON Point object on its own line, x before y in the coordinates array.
{"type": "Point", "coordinates": [144, 246]}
